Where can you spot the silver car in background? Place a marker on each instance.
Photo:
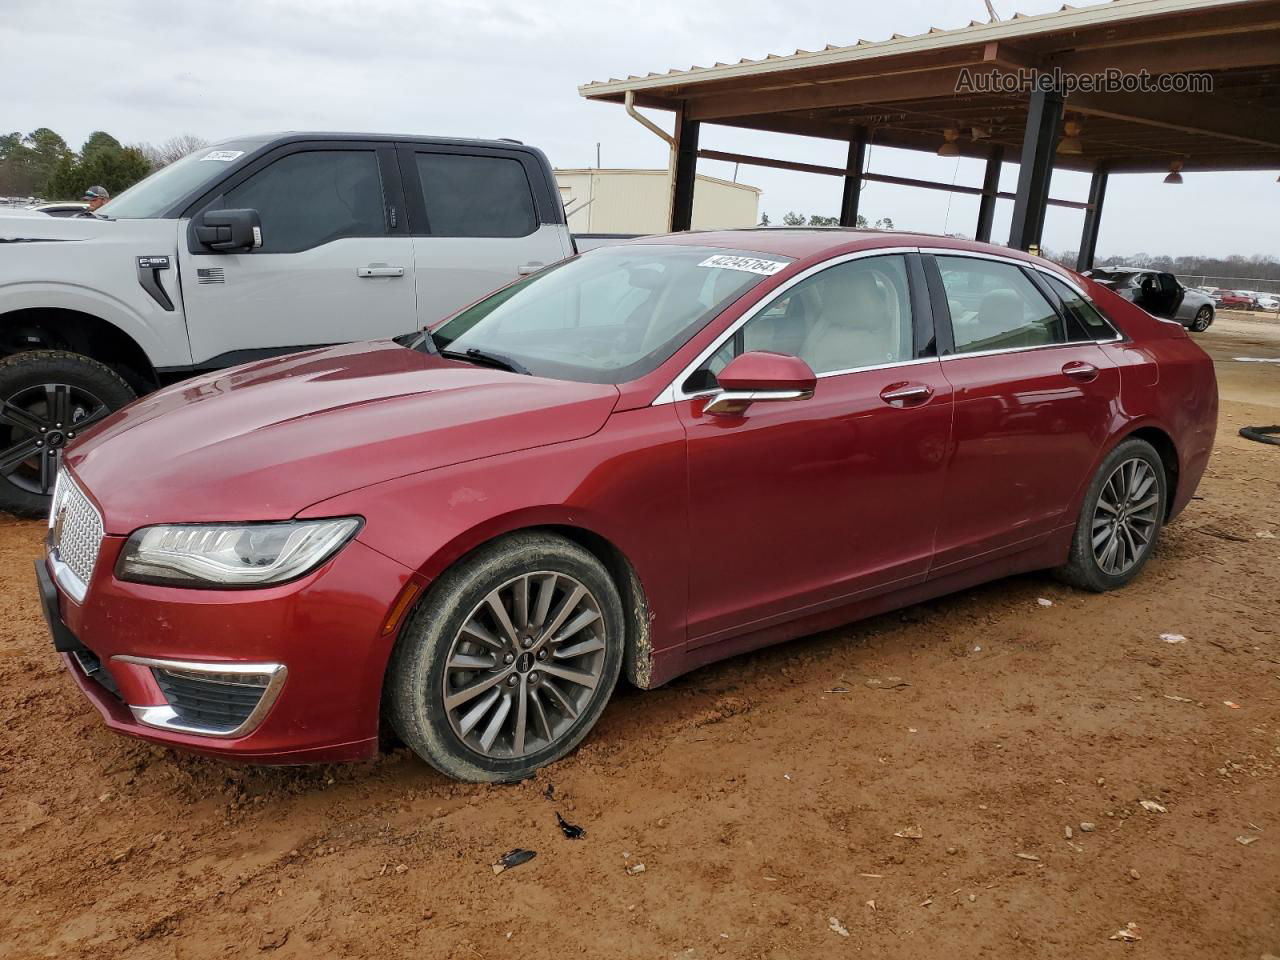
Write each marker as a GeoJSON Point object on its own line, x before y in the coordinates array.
{"type": "Point", "coordinates": [1160, 294]}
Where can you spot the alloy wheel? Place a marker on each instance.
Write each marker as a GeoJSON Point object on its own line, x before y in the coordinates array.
{"type": "Point", "coordinates": [41, 420]}
{"type": "Point", "coordinates": [1126, 516]}
{"type": "Point", "coordinates": [524, 665]}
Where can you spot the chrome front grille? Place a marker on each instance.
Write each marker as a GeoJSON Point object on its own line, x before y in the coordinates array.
{"type": "Point", "coordinates": [76, 529]}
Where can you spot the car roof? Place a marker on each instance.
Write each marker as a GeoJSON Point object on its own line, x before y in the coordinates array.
{"type": "Point", "coordinates": [802, 243]}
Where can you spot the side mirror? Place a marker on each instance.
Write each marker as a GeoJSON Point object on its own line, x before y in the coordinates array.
{"type": "Point", "coordinates": [227, 230]}
{"type": "Point", "coordinates": [760, 376]}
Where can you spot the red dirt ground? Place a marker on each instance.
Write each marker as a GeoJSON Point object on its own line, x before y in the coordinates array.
{"type": "Point", "coordinates": [762, 803]}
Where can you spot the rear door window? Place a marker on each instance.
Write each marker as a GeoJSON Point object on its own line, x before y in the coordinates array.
{"type": "Point", "coordinates": [995, 306]}
{"type": "Point", "coordinates": [314, 197]}
{"type": "Point", "coordinates": [475, 196]}
{"type": "Point", "coordinates": [1092, 325]}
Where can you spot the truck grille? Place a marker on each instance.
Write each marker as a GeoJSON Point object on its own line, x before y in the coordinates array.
{"type": "Point", "coordinates": [76, 528]}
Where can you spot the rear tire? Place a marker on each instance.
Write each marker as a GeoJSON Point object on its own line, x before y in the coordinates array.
{"type": "Point", "coordinates": [47, 398]}
{"type": "Point", "coordinates": [488, 704]}
{"type": "Point", "coordinates": [1120, 519]}
{"type": "Point", "coordinates": [1203, 320]}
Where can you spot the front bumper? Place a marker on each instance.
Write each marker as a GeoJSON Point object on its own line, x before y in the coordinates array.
{"type": "Point", "coordinates": [285, 674]}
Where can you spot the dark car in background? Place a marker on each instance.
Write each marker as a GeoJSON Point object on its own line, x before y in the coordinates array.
{"type": "Point", "coordinates": [1160, 294]}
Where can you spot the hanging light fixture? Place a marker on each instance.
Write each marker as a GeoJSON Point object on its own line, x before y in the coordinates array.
{"type": "Point", "coordinates": [949, 148]}
{"type": "Point", "coordinates": [1070, 144]}
{"type": "Point", "coordinates": [1175, 172]}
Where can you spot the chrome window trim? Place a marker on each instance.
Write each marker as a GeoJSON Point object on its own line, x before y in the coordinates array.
{"type": "Point", "coordinates": [673, 392]}
{"type": "Point", "coordinates": [164, 717]}
{"type": "Point", "coordinates": [1040, 268]}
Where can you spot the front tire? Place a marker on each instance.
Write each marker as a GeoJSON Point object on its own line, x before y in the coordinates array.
{"type": "Point", "coordinates": [1203, 319]}
{"type": "Point", "coordinates": [1120, 520]}
{"type": "Point", "coordinates": [47, 399]}
{"type": "Point", "coordinates": [508, 661]}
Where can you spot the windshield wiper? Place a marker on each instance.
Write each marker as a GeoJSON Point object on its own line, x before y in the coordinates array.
{"type": "Point", "coordinates": [484, 358]}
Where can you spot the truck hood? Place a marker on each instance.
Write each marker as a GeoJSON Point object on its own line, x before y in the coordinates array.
{"type": "Point", "coordinates": [33, 225]}
{"type": "Point", "coordinates": [264, 441]}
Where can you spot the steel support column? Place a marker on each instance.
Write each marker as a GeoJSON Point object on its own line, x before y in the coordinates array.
{"type": "Point", "coordinates": [853, 178]}
{"type": "Point", "coordinates": [1092, 218]}
{"type": "Point", "coordinates": [686, 161]}
{"type": "Point", "coordinates": [1035, 169]}
{"type": "Point", "coordinates": [990, 189]}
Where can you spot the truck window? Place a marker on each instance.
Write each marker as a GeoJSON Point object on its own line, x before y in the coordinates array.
{"type": "Point", "coordinates": [310, 198]}
{"type": "Point", "coordinates": [470, 196]}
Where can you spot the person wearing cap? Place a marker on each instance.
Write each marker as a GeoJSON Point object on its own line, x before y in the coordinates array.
{"type": "Point", "coordinates": [96, 196]}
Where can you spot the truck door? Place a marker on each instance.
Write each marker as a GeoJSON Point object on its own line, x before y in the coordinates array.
{"type": "Point", "coordinates": [335, 264]}
{"type": "Point", "coordinates": [480, 217]}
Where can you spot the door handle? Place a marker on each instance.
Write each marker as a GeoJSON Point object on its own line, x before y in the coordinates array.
{"type": "Point", "coordinates": [527, 268]}
{"type": "Point", "coordinates": [906, 394]}
{"type": "Point", "coordinates": [1078, 370]}
{"type": "Point", "coordinates": [379, 270]}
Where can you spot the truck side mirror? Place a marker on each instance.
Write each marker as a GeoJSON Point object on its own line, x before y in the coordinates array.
{"type": "Point", "coordinates": [228, 230]}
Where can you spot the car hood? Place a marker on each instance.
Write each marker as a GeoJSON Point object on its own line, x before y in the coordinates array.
{"type": "Point", "coordinates": [264, 441]}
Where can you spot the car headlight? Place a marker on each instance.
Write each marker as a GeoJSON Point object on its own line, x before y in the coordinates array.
{"type": "Point", "coordinates": [231, 555]}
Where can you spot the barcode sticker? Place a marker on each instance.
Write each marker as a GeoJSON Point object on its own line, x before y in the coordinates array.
{"type": "Point", "coordinates": [224, 156]}
{"type": "Point", "coordinates": [724, 261]}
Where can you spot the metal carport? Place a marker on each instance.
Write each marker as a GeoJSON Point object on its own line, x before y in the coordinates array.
{"type": "Point", "coordinates": [907, 92]}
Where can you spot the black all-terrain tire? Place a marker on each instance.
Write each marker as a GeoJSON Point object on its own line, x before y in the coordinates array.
{"type": "Point", "coordinates": [1203, 320]}
{"type": "Point", "coordinates": [415, 679]}
{"type": "Point", "coordinates": [1083, 569]}
{"type": "Point", "coordinates": [21, 375]}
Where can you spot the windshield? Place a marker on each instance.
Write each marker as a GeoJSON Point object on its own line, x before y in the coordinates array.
{"type": "Point", "coordinates": [154, 196]}
{"type": "Point", "coordinates": [609, 316]}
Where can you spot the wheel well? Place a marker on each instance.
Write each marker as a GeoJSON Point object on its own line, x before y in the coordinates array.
{"type": "Point", "coordinates": [1168, 457]}
{"type": "Point", "coordinates": [52, 328]}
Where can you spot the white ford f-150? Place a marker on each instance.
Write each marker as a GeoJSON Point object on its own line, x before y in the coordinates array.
{"type": "Point", "coordinates": [250, 248]}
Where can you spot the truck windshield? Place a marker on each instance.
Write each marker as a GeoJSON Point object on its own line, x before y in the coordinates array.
{"type": "Point", "coordinates": [609, 316]}
{"type": "Point", "coordinates": [156, 195]}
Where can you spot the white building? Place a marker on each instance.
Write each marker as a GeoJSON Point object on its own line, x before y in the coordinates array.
{"type": "Point", "coordinates": [636, 201]}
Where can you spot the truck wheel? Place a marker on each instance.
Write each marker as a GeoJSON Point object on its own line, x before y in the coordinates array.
{"type": "Point", "coordinates": [47, 399]}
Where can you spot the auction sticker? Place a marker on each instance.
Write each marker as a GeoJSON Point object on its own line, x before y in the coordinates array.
{"type": "Point", "coordinates": [225, 156]}
{"type": "Point", "coordinates": [724, 261]}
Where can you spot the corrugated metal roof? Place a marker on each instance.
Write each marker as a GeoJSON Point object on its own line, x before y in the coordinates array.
{"type": "Point", "coordinates": [1018, 26]}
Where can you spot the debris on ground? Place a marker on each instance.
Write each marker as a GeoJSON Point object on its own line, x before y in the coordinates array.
{"type": "Point", "coordinates": [871, 904]}
{"type": "Point", "coordinates": [910, 833]}
{"type": "Point", "coordinates": [887, 683]}
{"type": "Point", "coordinates": [1066, 832]}
{"type": "Point", "coordinates": [402, 868]}
{"type": "Point", "coordinates": [1027, 856]}
{"type": "Point", "coordinates": [1244, 841]}
{"type": "Point", "coordinates": [1044, 601]}
{"type": "Point", "coordinates": [1128, 933]}
{"type": "Point", "coordinates": [635, 868]}
{"type": "Point", "coordinates": [1087, 827]}
{"type": "Point", "coordinates": [837, 690]}
{"type": "Point", "coordinates": [1265, 535]}
{"type": "Point", "coordinates": [1173, 638]}
{"type": "Point", "coordinates": [1152, 807]}
{"type": "Point", "coordinates": [571, 830]}
{"type": "Point", "coordinates": [550, 792]}
{"type": "Point", "coordinates": [1232, 704]}
{"type": "Point", "coordinates": [837, 927]}
{"type": "Point", "coordinates": [1168, 696]}
{"type": "Point", "coordinates": [513, 858]}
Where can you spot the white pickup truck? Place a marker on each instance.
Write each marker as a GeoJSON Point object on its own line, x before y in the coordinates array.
{"type": "Point", "coordinates": [247, 249]}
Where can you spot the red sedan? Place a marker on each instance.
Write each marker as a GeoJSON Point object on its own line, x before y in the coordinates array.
{"type": "Point", "coordinates": [641, 460]}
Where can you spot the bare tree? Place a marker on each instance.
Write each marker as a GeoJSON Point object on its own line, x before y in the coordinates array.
{"type": "Point", "coordinates": [175, 148]}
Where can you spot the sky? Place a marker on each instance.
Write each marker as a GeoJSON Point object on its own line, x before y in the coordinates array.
{"type": "Point", "coordinates": [144, 71]}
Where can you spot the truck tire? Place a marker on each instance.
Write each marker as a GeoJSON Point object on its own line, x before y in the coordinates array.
{"type": "Point", "coordinates": [47, 399]}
